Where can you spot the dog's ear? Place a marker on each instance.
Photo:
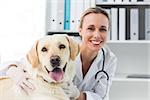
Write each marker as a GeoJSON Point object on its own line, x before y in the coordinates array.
{"type": "Point", "coordinates": [32, 55]}
{"type": "Point", "coordinates": [74, 48]}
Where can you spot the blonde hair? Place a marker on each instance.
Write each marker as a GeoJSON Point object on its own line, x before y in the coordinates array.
{"type": "Point", "coordinates": [96, 10]}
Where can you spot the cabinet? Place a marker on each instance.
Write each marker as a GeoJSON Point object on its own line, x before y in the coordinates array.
{"type": "Point", "coordinates": [129, 20]}
{"type": "Point", "coordinates": [133, 59]}
{"type": "Point", "coordinates": [132, 77]}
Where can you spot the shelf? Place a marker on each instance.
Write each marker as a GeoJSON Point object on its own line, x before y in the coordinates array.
{"type": "Point", "coordinates": [124, 3]}
{"type": "Point", "coordinates": [130, 41]}
{"type": "Point", "coordinates": [123, 78]}
{"type": "Point", "coordinates": [132, 90]}
{"type": "Point", "coordinates": [70, 33]}
{"type": "Point", "coordinates": [76, 34]}
{"type": "Point", "coordinates": [130, 80]}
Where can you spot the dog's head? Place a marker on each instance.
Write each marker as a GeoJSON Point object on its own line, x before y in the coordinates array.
{"type": "Point", "coordinates": [51, 54]}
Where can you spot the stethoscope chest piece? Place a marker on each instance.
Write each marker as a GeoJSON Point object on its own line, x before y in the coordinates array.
{"type": "Point", "coordinates": [102, 73]}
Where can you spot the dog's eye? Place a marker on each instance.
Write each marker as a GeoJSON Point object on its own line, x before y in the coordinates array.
{"type": "Point", "coordinates": [44, 49]}
{"type": "Point", "coordinates": [62, 46]}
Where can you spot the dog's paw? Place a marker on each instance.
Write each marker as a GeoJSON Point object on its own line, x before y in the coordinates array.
{"type": "Point", "coordinates": [71, 90]}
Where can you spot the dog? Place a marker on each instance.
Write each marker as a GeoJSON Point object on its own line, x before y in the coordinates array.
{"type": "Point", "coordinates": [50, 63]}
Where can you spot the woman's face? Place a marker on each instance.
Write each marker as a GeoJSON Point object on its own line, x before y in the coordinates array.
{"type": "Point", "coordinates": [94, 31]}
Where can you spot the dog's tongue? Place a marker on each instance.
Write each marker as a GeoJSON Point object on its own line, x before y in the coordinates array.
{"type": "Point", "coordinates": [56, 74]}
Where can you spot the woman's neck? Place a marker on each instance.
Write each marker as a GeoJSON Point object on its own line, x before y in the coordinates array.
{"type": "Point", "coordinates": [87, 57]}
{"type": "Point", "coordinates": [87, 54]}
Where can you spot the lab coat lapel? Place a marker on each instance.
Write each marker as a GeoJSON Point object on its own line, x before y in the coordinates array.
{"type": "Point", "coordinates": [79, 74]}
{"type": "Point", "coordinates": [93, 69]}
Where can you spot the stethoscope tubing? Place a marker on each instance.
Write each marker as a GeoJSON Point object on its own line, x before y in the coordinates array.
{"type": "Point", "coordinates": [104, 72]}
{"type": "Point", "coordinates": [103, 65]}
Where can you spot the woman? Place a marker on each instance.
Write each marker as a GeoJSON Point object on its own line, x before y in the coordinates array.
{"type": "Point", "coordinates": [95, 63]}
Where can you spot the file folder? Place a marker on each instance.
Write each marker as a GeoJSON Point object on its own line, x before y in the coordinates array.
{"type": "Point", "coordinates": [134, 24]}
{"type": "Point", "coordinates": [147, 23]}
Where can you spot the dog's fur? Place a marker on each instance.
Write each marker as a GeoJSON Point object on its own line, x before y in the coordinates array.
{"type": "Point", "coordinates": [55, 54]}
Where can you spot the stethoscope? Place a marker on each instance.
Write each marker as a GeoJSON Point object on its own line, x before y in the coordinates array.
{"type": "Point", "coordinates": [103, 72]}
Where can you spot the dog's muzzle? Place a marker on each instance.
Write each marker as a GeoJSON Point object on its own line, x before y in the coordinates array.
{"type": "Point", "coordinates": [55, 61]}
{"type": "Point", "coordinates": [57, 73]}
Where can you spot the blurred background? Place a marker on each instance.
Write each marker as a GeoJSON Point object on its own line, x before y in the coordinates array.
{"type": "Point", "coordinates": [22, 22]}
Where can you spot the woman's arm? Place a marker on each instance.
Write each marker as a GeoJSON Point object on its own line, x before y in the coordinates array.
{"type": "Point", "coordinates": [5, 66]}
{"type": "Point", "coordinates": [82, 96]}
{"type": "Point", "coordinates": [16, 71]}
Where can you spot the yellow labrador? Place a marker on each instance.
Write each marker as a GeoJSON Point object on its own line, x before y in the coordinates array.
{"type": "Point", "coordinates": [50, 63]}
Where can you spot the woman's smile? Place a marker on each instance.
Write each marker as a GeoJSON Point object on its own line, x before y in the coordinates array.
{"type": "Point", "coordinates": [95, 42]}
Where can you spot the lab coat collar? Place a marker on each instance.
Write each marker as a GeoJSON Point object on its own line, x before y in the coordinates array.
{"type": "Point", "coordinates": [79, 68]}
{"type": "Point", "coordinates": [93, 69]}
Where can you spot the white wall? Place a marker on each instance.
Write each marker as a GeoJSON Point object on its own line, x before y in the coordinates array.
{"type": "Point", "coordinates": [21, 23]}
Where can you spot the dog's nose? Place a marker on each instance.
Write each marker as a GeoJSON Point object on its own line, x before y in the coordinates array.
{"type": "Point", "coordinates": [55, 61]}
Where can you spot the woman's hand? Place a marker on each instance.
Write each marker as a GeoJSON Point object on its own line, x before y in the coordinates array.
{"type": "Point", "coordinates": [71, 90]}
{"type": "Point", "coordinates": [82, 96]}
{"type": "Point", "coordinates": [21, 78]}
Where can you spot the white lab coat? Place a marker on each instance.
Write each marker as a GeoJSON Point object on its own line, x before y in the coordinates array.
{"type": "Point", "coordinates": [96, 90]}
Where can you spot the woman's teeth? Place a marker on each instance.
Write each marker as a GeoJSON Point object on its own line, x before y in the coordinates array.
{"type": "Point", "coordinates": [96, 42]}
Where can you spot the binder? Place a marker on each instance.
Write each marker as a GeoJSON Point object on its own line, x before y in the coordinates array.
{"type": "Point", "coordinates": [134, 24]}
{"type": "Point", "coordinates": [133, 0]}
{"type": "Point", "coordinates": [79, 11]}
{"type": "Point", "coordinates": [110, 1]}
{"type": "Point", "coordinates": [122, 23]}
{"type": "Point", "coordinates": [146, 1]}
{"type": "Point", "coordinates": [118, 1]}
{"type": "Point", "coordinates": [55, 15]}
{"type": "Point", "coordinates": [114, 23]}
{"type": "Point", "coordinates": [140, 0]}
{"type": "Point", "coordinates": [51, 15]}
{"type": "Point", "coordinates": [147, 23]}
{"type": "Point", "coordinates": [127, 24]}
{"type": "Point", "coordinates": [48, 18]}
{"type": "Point", "coordinates": [67, 15]}
{"type": "Point", "coordinates": [101, 1]}
{"type": "Point", "coordinates": [109, 32]}
{"type": "Point", "coordinates": [126, 0]}
{"type": "Point", "coordinates": [86, 4]}
{"type": "Point", "coordinates": [60, 15]}
{"type": "Point", "coordinates": [142, 24]}
{"type": "Point", "coordinates": [73, 15]}
{"type": "Point", "coordinates": [92, 3]}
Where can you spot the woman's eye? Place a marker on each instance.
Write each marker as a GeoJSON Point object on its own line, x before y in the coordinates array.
{"type": "Point", "coordinates": [44, 49]}
{"type": "Point", "coordinates": [103, 30]}
{"type": "Point", "coordinates": [90, 28]}
{"type": "Point", "coordinates": [62, 46]}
